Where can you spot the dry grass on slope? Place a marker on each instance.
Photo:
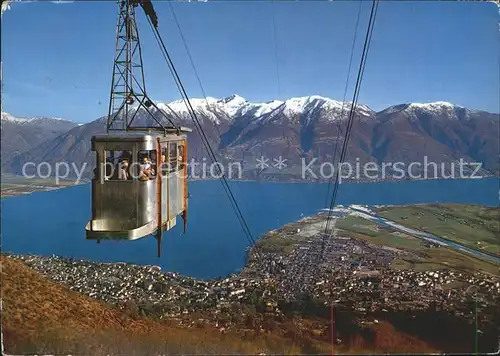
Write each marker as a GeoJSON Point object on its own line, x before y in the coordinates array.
{"type": "Point", "coordinates": [39, 316]}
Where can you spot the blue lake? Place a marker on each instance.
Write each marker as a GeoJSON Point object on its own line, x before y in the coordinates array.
{"type": "Point", "coordinates": [47, 223]}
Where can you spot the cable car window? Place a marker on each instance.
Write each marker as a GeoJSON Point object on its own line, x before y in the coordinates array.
{"type": "Point", "coordinates": [94, 159]}
{"type": "Point", "coordinates": [181, 157]}
{"type": "Point", "coordinates": [147, 165]}
{"type": "Point", "coordinates": [172, 156]}
{"type": "Point", "coordinates": [117, 165]}
{"type": "Point", "coordinates": [123, 165]}
{"type": "Point", "coordinates": [164, 163]}
{"type": "Point", "coordinates": [125, 156]}
{"type": "Point", "coordinates": [109, 165]}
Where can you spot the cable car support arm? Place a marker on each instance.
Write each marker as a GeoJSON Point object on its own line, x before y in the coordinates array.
{"type": "Point", "coordinates": [128, 86]}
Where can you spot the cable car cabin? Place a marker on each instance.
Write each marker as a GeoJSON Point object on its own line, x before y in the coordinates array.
{"type": "Point", "coordinates": [139, 185]}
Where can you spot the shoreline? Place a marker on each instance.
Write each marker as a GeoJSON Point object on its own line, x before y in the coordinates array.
{"type": "Point", "coordinates": [12, 190]}
{"type": "Point", "coordinates": [190, 303]}
{"type": "Point", "coordinates": [49, 185]}
{"type": "Point", "coordinates": [357, 275]}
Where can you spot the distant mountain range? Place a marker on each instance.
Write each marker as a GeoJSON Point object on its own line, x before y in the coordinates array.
{"type": "Point", "coordinates": [295, 129]}
{"type": "Point", "coordinates": [21, 134]}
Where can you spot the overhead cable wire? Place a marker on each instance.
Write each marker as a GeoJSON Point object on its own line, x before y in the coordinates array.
{"type": "Point", "coordinates": [205, 140]}
{"type": "Point", "coordinates": [366, 46]}
{"type": "Point", "coordinates": [364, 55]}
{"type": "Point", "coordinates": [344, 98]}
{"type": "Point", "coordinates": [275, 36]}
{"type": "Point", "coordinates": [192, 63]}
{"type": "Point", "coordinates": [209, 107]}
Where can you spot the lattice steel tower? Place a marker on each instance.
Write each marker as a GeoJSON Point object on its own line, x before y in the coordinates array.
{"type": "Point", "coordinates": [128, 86]}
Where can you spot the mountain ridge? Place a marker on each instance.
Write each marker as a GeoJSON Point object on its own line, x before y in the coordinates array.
{"type": "Point", "coordinates": [306, 127]}
{"type": "Point", "coordinates": [19, 134]}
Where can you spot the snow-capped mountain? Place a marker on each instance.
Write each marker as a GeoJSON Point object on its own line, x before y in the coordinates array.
{"type": "Point", "coordinates": [309, 104]}
{"type": "Point", "coordinates": [312, 108]}
{"type": "Point", "coordinates": [305, 127]}
{"type": "Point", "coordinates": [438, 108]}
{"type": "Point", "coordinates": [435, 107]}
{"type": "Point", "coordinates": [6, 117]}
{"type": "Point", "coordinates": [218, 110]}
{"type": "Point", "coordinates": [441, 131]}
{"type": "Point", "coordinates": [35, 120]}
{"type": "Point", "coordinates": [19, 134]}
{"type": "Point", "coordinates": [235, 106]}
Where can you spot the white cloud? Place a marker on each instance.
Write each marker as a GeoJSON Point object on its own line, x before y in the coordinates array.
{"type": "Point", "coordinates": [6, 4]}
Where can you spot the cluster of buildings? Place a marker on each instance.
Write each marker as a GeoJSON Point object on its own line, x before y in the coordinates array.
{"type": "Point", "coordinates": [353, 272]}
{"type": "Point", "coordinates": [332, 268]}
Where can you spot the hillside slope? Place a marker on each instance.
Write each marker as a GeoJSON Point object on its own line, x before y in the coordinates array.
{"type": "Point", "coordinates": [39, 316]}
{"type": "Point", "coordinates": [22, 134]}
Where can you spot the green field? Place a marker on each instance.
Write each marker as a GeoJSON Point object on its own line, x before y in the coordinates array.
{"type": "Point", "coordinates": [426, 258]}
{"type": "Point", "coordinates": [278, 244]}
{"type": "Point", "coordinates": [377, 234]}
{"type": "Point", "coordinates": [283, 240]}
{"type": "Point", "coordinates": [471, 225]}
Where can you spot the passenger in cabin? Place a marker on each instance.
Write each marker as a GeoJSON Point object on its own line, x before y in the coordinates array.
{"type": "Point", "coordinates": [152, 161]}
{"type": "Point", "coordinates": [126, 156]}
{"type": "Point", "coordinates": [180, 157]}
{"type": "Point", "coordinates": [143, 176]}
{"type": "Point", "coordinates": [164, 165]}
{"type": "Point", "coordinates": [145, 168]}
{"type": "Point", "coordinates": [123, 170]}
{"type": "Point", "coordinates": [145, 165]}
{"type": "Point", "coordinates": [109, 168]}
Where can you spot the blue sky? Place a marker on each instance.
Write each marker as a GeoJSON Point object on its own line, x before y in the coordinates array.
{"type": "Point", "coordinates": [57, 58]}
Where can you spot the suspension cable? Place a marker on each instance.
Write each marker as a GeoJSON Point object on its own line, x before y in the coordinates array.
{"type": "Point", "coordinates": [366, 46]}
{"type": "Point", "coordinates": [275, 36]}
{"type": "Point", "coordinates": [205, 140]}
{"type": "Point", "coordinates": [208, 106]}
{"type": "Point", "coordinates": [339, 132]}
{"type": "Point", "coordinates": [192, 63]}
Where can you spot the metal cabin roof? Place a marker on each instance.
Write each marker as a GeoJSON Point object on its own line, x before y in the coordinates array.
{"type": "Point", "coordinates": [136, 137]}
